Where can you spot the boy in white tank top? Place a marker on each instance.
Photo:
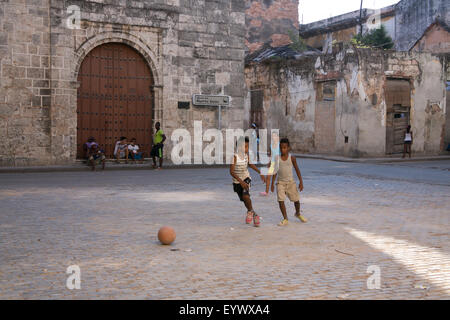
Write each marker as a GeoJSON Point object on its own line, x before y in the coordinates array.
{"type": "Point", "coordinates": [286, 185]}
{"type": "Point", "coordinates": [242, 179]}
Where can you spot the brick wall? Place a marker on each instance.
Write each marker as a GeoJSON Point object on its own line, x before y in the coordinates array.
{"type": "Point", "coordinates": [270, 21]}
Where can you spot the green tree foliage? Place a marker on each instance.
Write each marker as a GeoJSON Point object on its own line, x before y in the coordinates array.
{"type": "Point", "coordinates": [376, 38]}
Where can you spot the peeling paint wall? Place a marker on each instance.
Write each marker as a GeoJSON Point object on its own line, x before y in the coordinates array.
{"type": "Point", "coordinates": [413, 17]}
{"type": "Point", "coordinates": [436, 40]}
{"type": "Point", "coordinates": [290, 99]}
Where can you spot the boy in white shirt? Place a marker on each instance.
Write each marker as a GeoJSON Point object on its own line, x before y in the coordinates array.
{"type": "Point", "coordinates": [121, 149]}
{"type": "Point", "coordinates": [133, 150]}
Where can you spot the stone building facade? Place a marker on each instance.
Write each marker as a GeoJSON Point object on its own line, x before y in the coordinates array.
{"type": "Point", "coordinates": [352, 102]}
{"type": "Point", "coordinates": [405, 22]}
{"type": "Point", "coordinates": [49, 80]}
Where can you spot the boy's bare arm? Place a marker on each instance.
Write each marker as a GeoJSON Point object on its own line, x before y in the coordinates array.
{"type": "Point", "coordinates": [274, 178]}
{"type": "Point", "coordinates": [251, 165]}
{"type": "Point", "coordinates": [270, 157]}
{"type": "Point", "coordinates": [257, 170]}
{"type": "Point", "coordinates": [297, 170]}
{"type": "Point", "coordinates": [272, 188]}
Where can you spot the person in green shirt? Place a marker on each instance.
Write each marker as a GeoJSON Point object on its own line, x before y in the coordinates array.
{"type": "Point", "coordinates": [158, 144]}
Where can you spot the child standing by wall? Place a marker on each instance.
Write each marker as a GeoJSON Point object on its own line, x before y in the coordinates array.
{"type": "Point", "coordinates": [242, 179]}
{"type": "Point", "coordinates": [286, 185]}
{"type": "Point", "coordinates": [408, 140]}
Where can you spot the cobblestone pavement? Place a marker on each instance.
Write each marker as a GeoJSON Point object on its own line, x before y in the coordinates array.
{"type": "Point", "coordinates": [394, 217]}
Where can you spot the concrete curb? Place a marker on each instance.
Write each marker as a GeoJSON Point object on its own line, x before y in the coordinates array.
{"type": "Point", "coordinates": [109, 167]}
{"type": "Point", "coordinates": [371, 160]}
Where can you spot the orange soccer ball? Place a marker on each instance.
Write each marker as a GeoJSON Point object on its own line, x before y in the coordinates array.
{"type": "Point", "coordinates": [166, 235]}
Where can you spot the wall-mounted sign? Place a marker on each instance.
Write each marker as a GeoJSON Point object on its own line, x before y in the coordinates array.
{"type": "Point", "coordinates": [210, 100]}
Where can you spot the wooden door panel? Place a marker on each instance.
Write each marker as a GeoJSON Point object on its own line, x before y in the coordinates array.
{"type": "Point", "coordinates": [398, 103]}
{"type": "Point", "coordinates": [325, 118]}
{"type": "Point", "coordinates": [114, 98]}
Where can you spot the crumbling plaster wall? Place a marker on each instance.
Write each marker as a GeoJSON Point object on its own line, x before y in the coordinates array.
{"type": "Point", "coordinates": [360, 75]}
{"type": "Point", "coordinates": [429, 106]}
{"type": "Point", "coordinates": [435, 40]}
{"type": "Point", "coordinates": [413, 17]}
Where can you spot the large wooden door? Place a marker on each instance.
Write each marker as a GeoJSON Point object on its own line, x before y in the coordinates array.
{"type": "Point", "coordinates": [398, 105]}
{"type": "Point", "coordinates": [114, 98]}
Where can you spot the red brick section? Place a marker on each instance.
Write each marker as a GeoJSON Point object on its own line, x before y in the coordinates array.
{"type": "Point", "coordinates": [259, 15]}
{"type": "Point", "coordinates": [279, 40]}
{"type": "Point", "coordinates": [253, 46]}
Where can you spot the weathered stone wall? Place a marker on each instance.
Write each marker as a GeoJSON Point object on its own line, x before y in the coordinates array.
{"type": "Point", "coordinates": [191, 46]}
{"type": "Point", "coordinates": [24, 82]}
{"type": "Point", "coordinates": [436, 39]}
{"type": "Point", "coordinates": [270, 21]}
{"type": "Point", "coordinates": [290, 98]}
{"type": "Point", "coordinates": [413, 17]}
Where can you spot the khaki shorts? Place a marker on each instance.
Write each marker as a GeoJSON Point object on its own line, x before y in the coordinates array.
{"type": "Point", "coordinates": [287, 189]}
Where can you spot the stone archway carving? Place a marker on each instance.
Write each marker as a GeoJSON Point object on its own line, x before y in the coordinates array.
{"type": "Point", "coordinates": [121, 37]}
{"type": "Point", "coordinates": [136, 43]}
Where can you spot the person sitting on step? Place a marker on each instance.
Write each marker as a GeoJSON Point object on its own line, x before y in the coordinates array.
{"type": "Point", "coordinates": [121, 150]}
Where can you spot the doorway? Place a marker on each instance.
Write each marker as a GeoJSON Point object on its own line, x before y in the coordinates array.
{"type": "Point", "coordinates": [325, 117]}
{"type": "Point", "coordinates": [114, 98]}
{"type": "Point", "coordinates": [257, 107]}
{"type": "Point", "coordinates": [398, 115]}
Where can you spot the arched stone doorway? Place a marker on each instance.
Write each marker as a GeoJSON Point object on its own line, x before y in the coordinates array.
{"type": "Point", "coordinates": [115, 98]}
